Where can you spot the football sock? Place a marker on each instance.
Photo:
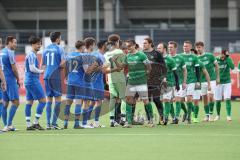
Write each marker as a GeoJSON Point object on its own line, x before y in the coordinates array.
{"type": "Point", "coordinates": [66, 114]}
{"type": "Point", "coordinates": [97, 112]}
{"type": "Point", "coordinates": [129, 113]}
{"type": "Point", "coordinates": [183, 107]}
{"type": "Point", "coordinates": [178, 109]}
{"type": "Point", "coordinates": [12, 112]}
{"type": "Point", "coordinates": [78, 110]}
{"type": "Point", "coordinates": [218, 107]}
{"type": "Point", "coordinates": [39, 111]}
{"type": "Point", "coordinates": [150, 110]}
{"type": "Point", "coordinates": [206, 109]}
{"type": "Point", "coordinates": [211, 107]}
{"type": "Point", "coordinates": [49, 112]}
{"type": "Point", "coordinates": [196, 110]}
{"type": "Point", "coordinates": [4, 115]}
{"type": "Point", "coordinates": [228, 107]}
{"type": "Point", "coordinates": [28, 114]}
{"type": "Point", "coordinates": [56, 113]}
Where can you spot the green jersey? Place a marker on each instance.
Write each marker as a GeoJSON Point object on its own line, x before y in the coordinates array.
{"type": "Point", "coordinates": [224, 69]}
{"type": "Point", "coordinates": [191, 62]}
{"type": "Point", "coordinates": [209, 61]}
{"type": "Point", "coordinates": [202, 76]}
{"type": "Point", "coordinates": [239, 66]}
{"type": "Point", "coordinates": [137, 68]}
{"type": "Point", "coordinates": [114, 77]}
{"type": "Point", "coordinates": [171, 66]}
{"type": "Point", "coordinates": [180, 65]}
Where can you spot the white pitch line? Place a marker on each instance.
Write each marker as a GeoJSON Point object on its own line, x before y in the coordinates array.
{"type": "Point", "coordinates": [122, 134]}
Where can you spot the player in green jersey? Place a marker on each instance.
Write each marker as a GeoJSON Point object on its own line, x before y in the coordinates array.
{"type": "Point", "coordinates": [224, 89]}
{"type": "Point", "coordinates": [138, 69]}
{"type": "Point", "coordinates": [197, 94]}
{"type": "Point", "coordinates": [211, 65]}
{"type": "Point", "coordinates": [172, 81]}
{"type": "Point", "coordinates": [193, 75]}
{"type": "Point", "coordinates": [182, 74]}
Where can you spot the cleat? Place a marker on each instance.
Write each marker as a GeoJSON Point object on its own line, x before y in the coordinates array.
{"type": "Point", "coordinates": [56, 127]}
{"type": "Point", "coordinates": [176, 121]}
{"type": "Point", "coordinates": [210, 118]}
{"type": "Point", "coordinates": [195, 120]}
{"type": "Point", "coordinates": [77, 127]}
{"type": "Point", "coordinates": [49, 127]}
{"type": "Point", "coordinates": [87, 127]}
{"type": "Point", "coordinates": [189, 120]}
{"type": "Point", "coordinates": [112, 124]}
{"type": "Point", "coordinates": [206, 118]}
{"type": "Point", "coordinates": [38, 127]}
{"type": "Point", "coordinates": [97, 125]}
{"type": "Point", "coordinates": [11, 128]}
{"type": "Point", "coordinates": [229, 119]}
{"type": "Point", "coordinates": [122, 122]}
{"type": "Point", "coordinates": [217, 118]}
{"type": "Point", "coordinates": [5, 129]}
{"type": "Point", "coordinates": [65, 126]}
{"type": "Point", "coordinates": [31, 128]}
{"type": "Point", "coordinates": [127, 126]}
{"type": "Point", "coordinates": [165, 121]}
{"type": "Point", "coordinates": [184, 117]}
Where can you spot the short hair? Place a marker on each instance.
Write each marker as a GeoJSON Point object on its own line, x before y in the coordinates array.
{"type": "Point", "coordinates": [101, 43]}
{"type": "Point", "coordinates": [194, 51]}
{"type": "Point", "coordinates": [173, 43]}
{"type": "Point", "coordinates": [89, 41]}
{"type": "Point", "coordinates": [199, 43]}
{"type": "Point", "coordinates": [164, 45]}
{"type": "Point", "coordinates": [54, 36]}
{"type": "Point", "coordinates": [113, 38]}
{"type": "Point", "coordinates": [9, 39]}
{"type": "Point", "coordinates": [188, 42]}
{"type": "Point", "coordinates": [149, 40]}
{"type": "Point", "coordinates": [34, 40]}
{"type": "Point", "coordinates": [79, 44]}
{"type": "Point", "coordinates": [132, 41]}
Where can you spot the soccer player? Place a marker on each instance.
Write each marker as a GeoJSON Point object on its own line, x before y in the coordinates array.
{"type": "Point", "coordinates": [172, 81]}
{"type": "Point", "coordinates": [193, 75]}
{"type": "Point", "coordinates": [211, 65]}
{"type": "Point", "coordinates": [224, 89]}
{"type": "Point", "coordinates": [52, 60]}
{"type": "Point", "coordinates": [138, 69]}
{"type": "Point", "coordinates": [182, 75]}
{"type": "Point", "coordinates": [3, 81]}
{"type": "Point", "coordinates": [34, 90]}
{"type": "Point", "coordinates": [205, 78]}
{"type": "Point", "coordinates": [75, 74]}
{"type": "Point", "coordinates": [13, 82]}
{"type": "Point", "coordinates": [116, 79]}
{"type": "Point", "coordinates": [156, 75]}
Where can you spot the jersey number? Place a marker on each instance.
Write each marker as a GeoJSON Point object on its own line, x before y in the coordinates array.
{"type": "Point", "coordinates": [50, 58]}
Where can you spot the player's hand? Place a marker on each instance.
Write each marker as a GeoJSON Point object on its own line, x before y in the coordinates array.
{"type": "Point", "coordinates": [218, 81]}
{"type": "Point", "coordinates": [18, 83]}
{"type": "Point", "coordinates": [209, 88]}
{"type": "Point", "coordinates": [184, 86]}
{"type": "Point", "coordinates": [41, 71]}
{"type": "Point", "coordinates": [4, 86]}
{"type": "Point", "coordinates": [177, 88]}
{"type": "Point", "coordinates": [197, 85]}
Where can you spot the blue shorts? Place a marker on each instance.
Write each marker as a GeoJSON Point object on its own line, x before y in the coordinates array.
{"type": "Point", "coordinates": [12, 91]}
{"type": "Point", "coordinates": [75, 92]}
{"type": "Point", "coordinates": [53, 87]}
{"type": "Point", "coordinates": [34, 92]}
{"type": "Point", "coordinates": [98, 94]}
{"type": "Point", "coordinates": [1, 94]}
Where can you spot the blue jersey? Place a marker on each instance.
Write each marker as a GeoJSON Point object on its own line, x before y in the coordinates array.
{"type": "Point", "coordinates": [75, 69]}
{"type": "Point", "coordinates": [31, 77]}
{"type": "Point", "coordinates": [7, 59]}
{"type": "Point", "coordinates": [98, 83]}
{"type": "Point", "coordinates": [52, 57]}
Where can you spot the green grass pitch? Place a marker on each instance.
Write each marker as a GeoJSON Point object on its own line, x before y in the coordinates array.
{"type": "Point", "coordinates": [203, 141]}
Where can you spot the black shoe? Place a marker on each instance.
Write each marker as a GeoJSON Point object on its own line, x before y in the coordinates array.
{"type": "Point", "coordinates": [56, 127]}
{"type": "Point", "coordinates": [31, 128]}
{"type": "Point", "coordinates": [112, 124]}
{"type": "Point", "coordinates": [176, 121]}
{"type": "Point", "coordinates": [189, 121]}
{"type": "Point", "coordinates": [184, 117]}
{"type": "Point", "coordinates": [65, 126]}
{"type": "Point", "coordinates": [77, 127]}
{"type": "Point", "coordinates": [165, 121]}
{"type": "Point", "coordinates": [38, 127]}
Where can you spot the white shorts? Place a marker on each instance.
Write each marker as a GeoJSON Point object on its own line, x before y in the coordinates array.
{"type": "Point", "coordinates": [189, 91]}
{"type": "Point", "coordinates": [204, 88]}
{"type": "Point", "coordinates": [179, 93]}
{"type": "Point", "coordinates": [142, 91]}
{"type": "Point", "coordinates": [197, 95]}
{"type": "Point", "coordinates": [223, 91]}
{"type": "Point", "coordinates": [169, 94]}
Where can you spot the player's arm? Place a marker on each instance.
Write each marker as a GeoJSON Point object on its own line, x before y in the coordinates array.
{"type": "Point", "coordinates": [205, 72]}
{"type": "Point", "coordinates": [43, 63]}
{"type": "Point", "coordinates": [148, 66]}
{"type": "Point", "coordinates": [119, 65]}
{"type": "Point", "coordinates": [3, 81]}
{"type": "Point", "coordinates": [197, 69]}
{"type": "Point", "coordinates": [230, 63]}
{"type": "Point", "coordinates": [62, 53]}
{"type": "Point", "coordinates": [14, 67]}
{"type": "Point", "coordinates": [184, 84]}
{"type": "Point", "coordinates": [238, 74]}
{"type": "Point", "coordinates": [32, 67]}
{"type": "Point", "coordinates": [216, 70]}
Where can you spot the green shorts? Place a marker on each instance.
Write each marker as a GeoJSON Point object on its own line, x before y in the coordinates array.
{"type": "Point", "coordinates": [117, 90]}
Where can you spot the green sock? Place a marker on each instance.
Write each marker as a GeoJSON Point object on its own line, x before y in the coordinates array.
{"type": "Point", "coordinates": [218, 106]}
{"type": "Point", "coordinates": [196, 110]}
{"type": "Point", "coordinates": [228, 107]}
{"type": "Point", "coordinates": [172, 110]}
{"type": "Point", "coordinates": [211, 107]}
{"type": "Point", "coordinates": [129, 113]}
{"type": "Point", "coordinates": [183, 107]}
{"type": "Point", "coordinates": [149, 109]}
{"type": "Point", "coordinates": [167, 109]}
{"type": "Point", "coordinates": [178, 109]}
{"type": "Point", "coordinates": [189, 108]}
{"type": "Point", "coordinates": [206, 109]}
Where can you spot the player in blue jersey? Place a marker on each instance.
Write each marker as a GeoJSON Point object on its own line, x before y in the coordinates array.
{"type": "Point", "coordinates": [12, 79]}
{"type": "Point", "coordinates": [3, 82]}
{"type": "Point", "coordinates": [75, 74]}
{"type": "Point", "coordinates": [34, 90]}
{"type": "Point", "coordinates": [52, 60]}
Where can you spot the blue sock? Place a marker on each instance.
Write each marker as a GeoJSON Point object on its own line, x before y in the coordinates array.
{"type": "Point", "coordinates": [66, 113]}
{"type": "Point", "coordinates": [1, 107]}
{"type": "Point", "coordinates": [90, 109]}
{"type": "Point", "coordinates": [97, 113]}
{"type": "Point", "coordinates": [49, 112]}
{"type": "Point", "coordinates": [85, 116]}
{"type": "Point", "coordinates": [12, 112]}
{"type": "Point", "coordinates": [40, 108]}
{"type": "Point", "coordinates": [78, 109]}
{"type": "Point", "coordinates": [56, 113]}
{"type": "Point", "coordinates": [28, 108]}
{"type": "Point", "coordinates": [4, 115]}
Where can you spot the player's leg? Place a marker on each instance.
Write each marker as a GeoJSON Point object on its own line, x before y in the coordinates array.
{"type": "Point", "coordinates": [196, 98]}
{"type": "Point", "coordinates": [56, 112]}
{"type": "Point", "coordinates": [49, 95]}
{"type": "Point", "coordinates": [69, 100]}
{"type": "Point", "coordinates": [178, 108]}
{"type": "Point", "coordinates": [85, 106]}
{"type": "Point", "coordinates": [218, 98]}
{"type": "Point", "coordinates": [167, 104]}
{"type": "Point", "coordinates": [112, 102]}
{"type": "Point", "coordinates": [190, 92]}
{"type": "Point", "coordinates": [28, 108]}
{"type": "Point", "coordinates": [183, 106]}
{"type": "Point", "coordinates": [211, 99]}
{"type": "Point", "coordinates": [204, 93]}
{"type": "Point", "coordinates": [4, 113]}
{"type": "Point", "coordinates": [78, 111]}
{"type": "Point", "coordinates": [227, 90]}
